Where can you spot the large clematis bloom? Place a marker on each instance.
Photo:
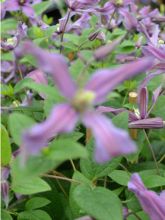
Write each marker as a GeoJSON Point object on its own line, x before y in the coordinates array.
{"type": "Point", "coordinates": [110, 141]}
{"type": "Point", "coordinates": [152, 204]}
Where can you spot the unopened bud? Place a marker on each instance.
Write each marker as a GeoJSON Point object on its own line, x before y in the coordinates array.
{"type": "Point", "coordinates": [105, 50]}
{"type": "Point", "coordinates": [93, 36]}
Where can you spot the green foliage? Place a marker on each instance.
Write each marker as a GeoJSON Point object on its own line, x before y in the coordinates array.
{"type": "Point", "coordinates": [34, 215]}
{"type": "Point", "coordinates": [98, 202]}
{"type": "Point", "coordinates": [18, 123]}
{"type": "Point", "coordinates": [5, 147]}
{"type": "Point", "coordinates": [36, 202]}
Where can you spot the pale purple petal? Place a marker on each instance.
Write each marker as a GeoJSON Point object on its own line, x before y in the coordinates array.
{"type": "Point", "coordinates": [62, 119]}
{"type": "Point", "coordinates": [104, 81]}
{"type": "Point", "coordinates": [54, 64]}
{"type": "Point", "coordinates": [5, 192]}
{"type": "Point", "coordinates": [151, 203]}
{"type": "Point", "coordinates": [143, 102]}
{"type": "Point", "coordinates": [11, 5]}
{"type": "Point", "coordinates": [148, 78]}
{"type": "Point", "coordinates": [28, 11]}
{"type": "Point", "coordinates": [148, 123]}
{"type": "Point", "coordinates": [155, 96]}
{"type": "Point", "coordinates": [110, 141]}
{"type": "Point", "coordinates": [105, 50]}
{"type": "Point", "coordinates": [38, 76]}
{"type": "Point", "coordinates": [106, 109]}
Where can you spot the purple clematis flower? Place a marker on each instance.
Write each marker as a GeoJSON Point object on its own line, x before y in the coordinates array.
{"type": "Point", "coordinates": [152, 204]}
{"type": "Point", "coordinates": [140, 117]}
{"type": "Point", "coordinates": [16, 5]}
{"type": "Point", "coordinates": [5, 185]}
{"type": "Point", "coordinates": [110, 141]}
{"type": "Point", "coordinates": [81, 4]}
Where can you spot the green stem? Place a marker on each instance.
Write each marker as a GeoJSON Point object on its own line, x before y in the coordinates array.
{"type": "Point", "coordinates": [62, 35]}
{"type": "Point", "coordinates": [152, 152]}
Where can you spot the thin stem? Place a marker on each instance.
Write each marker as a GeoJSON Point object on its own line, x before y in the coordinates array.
{"type": "Point", "coordinates": [73, 166]}
{"type": "Point", "coordinates": [152, 152]}
{"type": "Point", "coordinates": [62, 35]}
{"type": "Point", "coordinates": [133, 213]}
{"type": "Point", "coordinates": [61, 178]}
{"type": "Point", "coordinates": [161, 159]}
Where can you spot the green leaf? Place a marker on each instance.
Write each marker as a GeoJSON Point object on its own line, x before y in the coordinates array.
{"type": "Point", "coordinates": [121, 120]}
{"type": "Point", "coordinates": [82, 179]}
{"type": "Point", "coordinates": [41, 7]}
{"type": "Point", "coordinates": [121, 177]}
{"type": "Point", "coordinates": [17, 124]}
{"type": "Point", "coordinates": [65, 149]}
{"type": "Point", "coordinates": [49, 91]}
{"type": "Point", "coordinates": [35, 32]}
{"type": "Point", "coordinates": [34, 215]}
{"type": "Point", "coordinates": [98, 202]}
{"type": "Point", "coordinates": [152, 181]}
{"type": "Point", "coordinates": [92, 170]}
{"type": "Point", "coordinates": [29, 186]}
{"type": "Point", "coordinates": [36, 202]}
{"type": "Point", "coordinates": [159, 109]}
{"type": "Point", "coordinates": [5, 147]}
{"type": "Point", "coordinates": [5, 215]}
{"type": "Point", "coordinates": [8, 25]}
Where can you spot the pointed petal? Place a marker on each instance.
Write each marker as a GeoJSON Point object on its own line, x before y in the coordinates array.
{"type": "Point", "coordinates": [143, 102]}
{"type": "Point", "coordinates": [54, 64]}
{"type": "Point", "coordinates": [104, 81]}
{"type": "Point", "coordinates": [151, 203]}
{"type": "Point", "coordinates": [28, 11]}
{"type": "Point", "coordinates": [38, 76]}
{"type": "Point", "coordinates": [62, 119]}
{"type": "Point", "coordinates": [105, 50]}
{"type": "Point", "coordinates": [147, 123]}
{"type": "Point", "coordinates": [110, 141]}
{"type": "Point", "coordinates": [155, 96]}
{"type": "Point", "coordinates": [105, 109]}
{"type": "Point", "coordinates": [11, 5]}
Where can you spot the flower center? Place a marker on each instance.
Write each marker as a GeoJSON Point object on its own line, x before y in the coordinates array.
{"type": "Point", "coordinates": [22, 2]}
{"type": "Point", "coordinates": [83, 100]}
{"type": "Point", "coordinates": [119, 2]}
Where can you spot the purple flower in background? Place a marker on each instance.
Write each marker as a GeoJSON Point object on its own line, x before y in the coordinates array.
{"type": "Point", "coordinates": [152, 204]}
{"type": "Point", "coordinates": [140, 117]}
{"type": "Point", "coordinates": [5, 185]}
{"type": "Point", "coordinates": [16, 5]}
{"type": "Point", "coordinates": [81, 4]}
{"type": "Point", "coordinates": [110, 141]}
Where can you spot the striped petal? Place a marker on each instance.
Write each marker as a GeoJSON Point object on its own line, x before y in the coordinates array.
{"type": "Point", "coordinates": [104, 81]}
{"type": "Point", "coordinates": [54, 64]}
{"type": "Point", "coordinates": [62, 119]}
{"type": "Point", "coordinates": [147, 123]}
{"type": "Point", "coordinates": [110, 141]}
{"type": "Point", "coordinates": [143, 102]}
{"type": "Point", "coordinates": [151, 203]}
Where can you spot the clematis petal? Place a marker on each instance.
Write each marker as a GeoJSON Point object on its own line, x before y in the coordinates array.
{"type": "Point", "coordinates": [28, 11]}
{"type": "Point", "coordinates": [63, 118]}
{"type": "Point", "coordinates": [38, 76]}
{"type": "Point", "coordinates": [110, 141]}
{"type": "Point", "coordinates": [11, 5]}
{"type": "Point", "coordinates": [143, 102]}
{"type": "Point", "coordinates": [155, 97]}
{"type": "Point", "coordinates": [151, 203]}
{"type": "Point", "coordinates": [54, 64]}
{"type": "Point", "coordinates": [147, 123]}
{"type": "Point", "coordinates": [104, 81]}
